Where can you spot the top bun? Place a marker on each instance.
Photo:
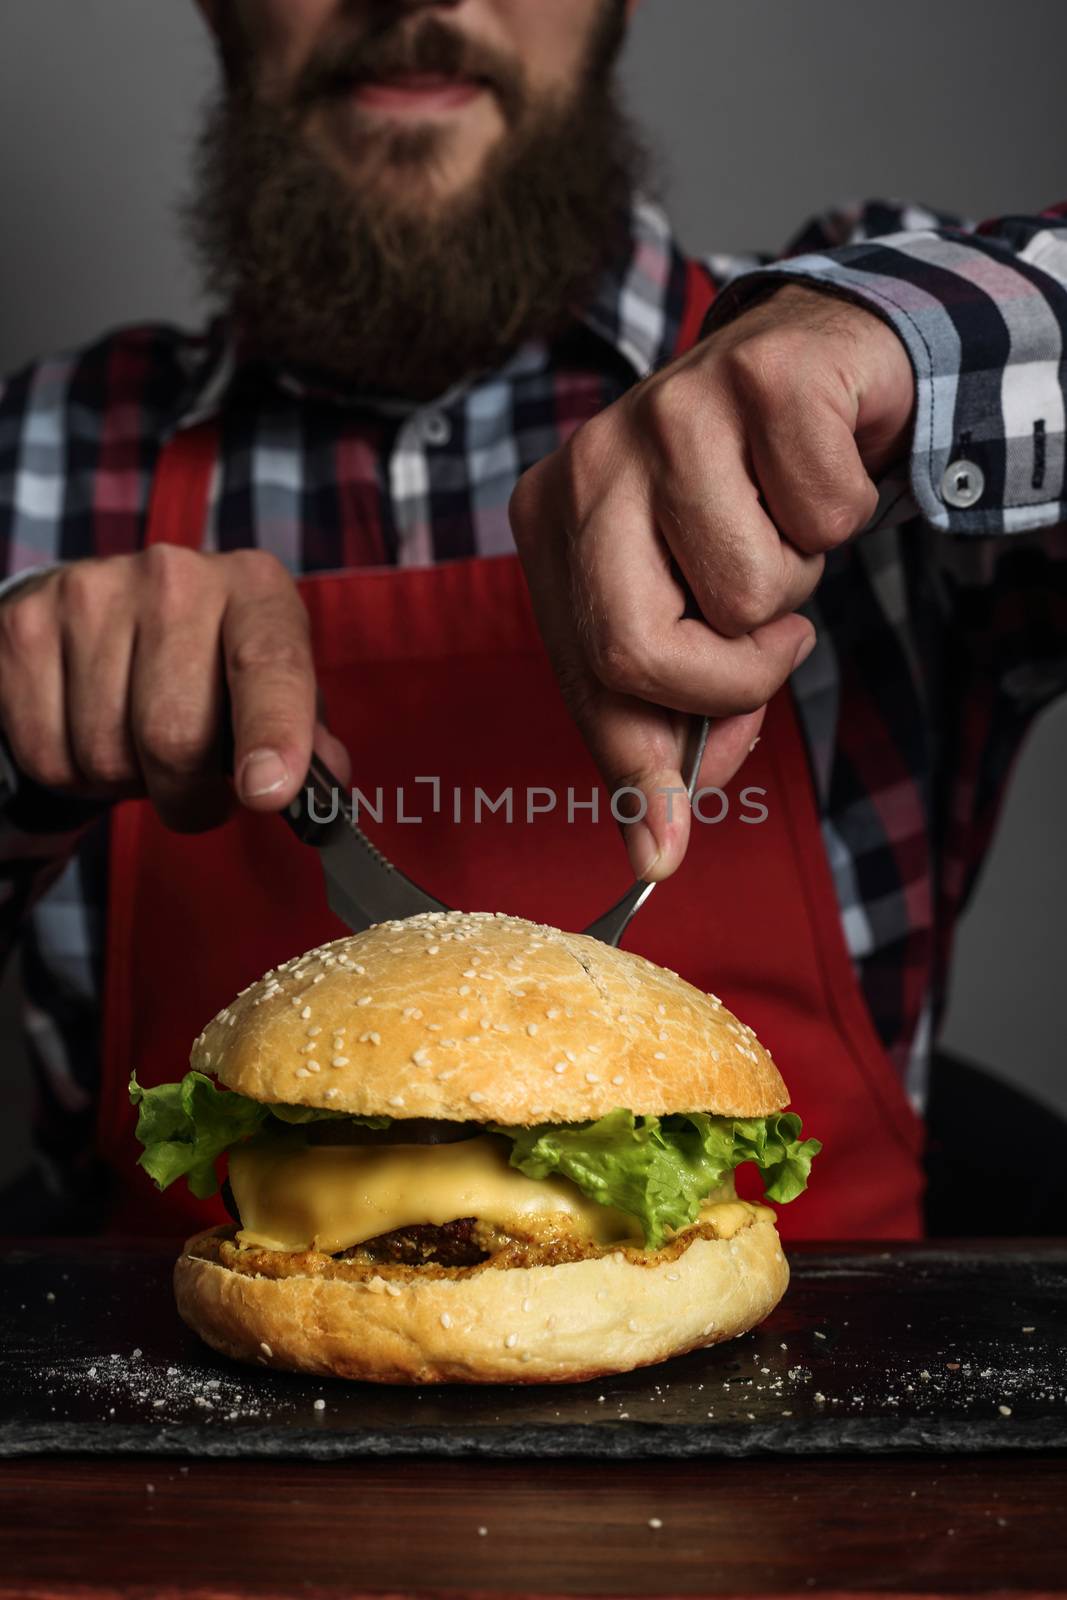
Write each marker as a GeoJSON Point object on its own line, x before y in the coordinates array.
{"type": "Point", "coordinates": [475, 1017]}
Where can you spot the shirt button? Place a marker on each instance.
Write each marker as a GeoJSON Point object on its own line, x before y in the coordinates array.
{"type": "Point", "coordinates": [435, 428]}
{"type": "Point", "coordinates": [962, 485]}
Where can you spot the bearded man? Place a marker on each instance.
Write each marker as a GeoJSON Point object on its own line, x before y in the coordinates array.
{"type": "Point", "coordinates": [817, 500]}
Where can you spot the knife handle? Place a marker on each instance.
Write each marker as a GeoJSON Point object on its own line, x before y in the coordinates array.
{"type": "Point", "coordinates": [317, 804]}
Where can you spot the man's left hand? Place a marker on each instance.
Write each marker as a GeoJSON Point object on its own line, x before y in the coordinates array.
{"type": "Point", "coordinates": [735, 469]}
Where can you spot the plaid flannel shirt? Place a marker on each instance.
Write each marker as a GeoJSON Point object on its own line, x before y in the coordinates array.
{"type": "Point", "coordinates": [941, 629]}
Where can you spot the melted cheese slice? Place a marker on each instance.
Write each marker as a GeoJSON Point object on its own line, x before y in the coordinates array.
{"type": "Point", "coordinates": [330, 1197]}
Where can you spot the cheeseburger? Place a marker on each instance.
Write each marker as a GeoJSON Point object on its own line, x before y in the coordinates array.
{"type": "Point", "coordinates": [469, 1148]}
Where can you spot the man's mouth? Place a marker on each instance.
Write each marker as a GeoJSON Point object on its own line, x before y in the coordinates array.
{"type": "Point", "coordinates": [416, 94]}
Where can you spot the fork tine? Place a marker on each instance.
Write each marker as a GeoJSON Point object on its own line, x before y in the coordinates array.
{"type": "Point", "coordinates": [610, 928]}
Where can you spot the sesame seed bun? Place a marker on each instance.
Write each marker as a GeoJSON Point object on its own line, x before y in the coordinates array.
{"type": "Point", "coordinates": [556, 1324]}
{"type": "Point", "coordinates": [474, 1017]}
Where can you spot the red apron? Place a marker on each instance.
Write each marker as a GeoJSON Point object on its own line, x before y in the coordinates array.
{"type": "Point", "coordinates": [439, 672]}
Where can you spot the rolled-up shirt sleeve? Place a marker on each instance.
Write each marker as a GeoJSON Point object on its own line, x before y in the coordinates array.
{"type": "Point", "coordinates": [982, 312]}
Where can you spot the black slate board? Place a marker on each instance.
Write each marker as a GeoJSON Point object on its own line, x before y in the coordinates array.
{"type": "Point", "coordinates": [913, 1348]}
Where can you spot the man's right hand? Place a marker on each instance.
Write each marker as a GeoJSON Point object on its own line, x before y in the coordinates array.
{"type": "Point", "coordinates": [112, 675]}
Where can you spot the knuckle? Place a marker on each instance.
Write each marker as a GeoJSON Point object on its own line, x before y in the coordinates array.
{"type": "Point", "coordinates": [173, 739]}
{"type": "Point", "coordinates": [40, 757]}
{"type": "Point", "coordinates": [525, 506]}
{"type": "Point", "coordinates": [666, 410]}
{"type": "Point", "coordinates": [103, 758]}
{"type": "Point", "coordinates": [759, 366]}
{"type": "Point", "coordinates": [28, 623]}
{"type": "Point", "coordinates": [751, 605]}
{"type": "Point", "coordinates": [620, 662]}
{"type": "Point", "coordinates": [283, 656]}
{"type": "Point", "coordinates": [256, 571]}
{"type": "Point", "coordinates": [174, 576]}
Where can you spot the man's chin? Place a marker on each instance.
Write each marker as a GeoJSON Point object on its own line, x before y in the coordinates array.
{"type": "Point", "coordinates": [413, 160]}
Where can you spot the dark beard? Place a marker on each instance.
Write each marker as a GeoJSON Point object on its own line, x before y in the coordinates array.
{"type": "Point", "coordinates": [329, 278]}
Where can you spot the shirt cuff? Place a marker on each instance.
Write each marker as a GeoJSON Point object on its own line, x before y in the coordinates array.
{"type": "Point", "coordinates": [985, 331]}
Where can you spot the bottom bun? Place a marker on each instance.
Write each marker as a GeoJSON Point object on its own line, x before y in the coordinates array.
{"type": "Point", "coordinates": [561, 1324]}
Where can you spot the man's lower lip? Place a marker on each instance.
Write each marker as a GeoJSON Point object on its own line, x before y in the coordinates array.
{"type": "Point", "coordinates": [417, 96]}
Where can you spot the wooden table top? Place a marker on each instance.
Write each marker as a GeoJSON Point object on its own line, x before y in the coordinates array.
{"type": "Point", "coordinates": [90, 1527]}
{"type": "Point", "coordinates": [85, 1527]}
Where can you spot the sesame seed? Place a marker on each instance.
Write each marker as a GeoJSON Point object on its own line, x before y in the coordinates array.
{"type": "Point", "coordinates": [531, 1029]}
{"type": "Point", "coordinates": [485, 1022]}
{"type": "Point", "coordinates": [305, 1012]}
{"type": "Point", "coordinates": [552, 1013]}
{"type": "Point", "coordinates": [662, 1009]}
{"type": "Point", "coordinates": [433, 949]}
{"type": "Point", "coordinates": [330, 1094]}
{"type": "Point", "coordinates": [302, 1072]}
{"type": "Point", "coordinates": [446, 1320]}
{"type": "Point", "coordinates": [592, 1077]}
{"type": "Point", "coordinates": [314, 1031]}
{"type": "Point", "coordinates": [617, 1079]}
{"type": "Point", "coordinates": [339, 1061]}
{"type": "Point", "coordinates": [397, 1100]}
{"type": "Point", "coordinates": [464, 990]}
{"type": "Point", "coordinates": [659, 1055]}
{"type": "Point", "coordinates": [560, 1066]}
{"type": "Point", "coordinates": [1005, 1411]}
{"type": "Point", "coordinates": [370, 1038]}
{"type": "Point", "coordinates": [295, 1001]}
{"type": "Point", "coordinates": [527, 1304]}
{"type": "Point", "coordinates": [662, 1035]}
{"type": "Point", "coordinates": [265, 1347]}
{"type": "Point", "coordinates": [306, 1049]}
{"type": "Point", "coordinates": [511, 1341]}
{"type": "Point", "coordinates": [476, 1097]}
{"type": "Point", "coordinates": [320, 1405]}
{"type": "Point", "coordinates": [318, 977]}
{"type": "Point", "coordinates": [655, 1522]}
{"type": "Point", "coordinates": [469, 972]}
{"type": "Point", "coordinates": [364, 1000]}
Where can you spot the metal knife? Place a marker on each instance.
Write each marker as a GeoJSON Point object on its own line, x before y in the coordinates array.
{"type": "Point", "coordinates": [362, 885]}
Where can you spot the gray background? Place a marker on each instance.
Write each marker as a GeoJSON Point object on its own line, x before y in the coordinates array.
{"type": "Point", "coordinates": [763, 111]}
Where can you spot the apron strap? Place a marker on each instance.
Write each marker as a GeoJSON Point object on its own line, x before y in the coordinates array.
{"type": "Point", "coordinates": [700, 291]}
{"type": "Point", "coordinates": [181, 488]}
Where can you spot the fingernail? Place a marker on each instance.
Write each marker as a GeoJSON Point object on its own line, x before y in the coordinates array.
{"type": "Point", "coordinates": [805, 651]}
{"type": "Point", "coordinates": [263, 772]}
{"type": "Point", "coordinates": [644, 851]}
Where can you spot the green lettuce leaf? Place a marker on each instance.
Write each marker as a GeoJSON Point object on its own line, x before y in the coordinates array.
{"type": "Point", "coordinates": [660, 1169]}
{"type": "Point", "coordinates": [185, 1127]}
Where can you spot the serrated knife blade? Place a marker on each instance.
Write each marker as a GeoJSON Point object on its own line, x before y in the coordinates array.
{"type": "Point", "coordinates": [362, 886]}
